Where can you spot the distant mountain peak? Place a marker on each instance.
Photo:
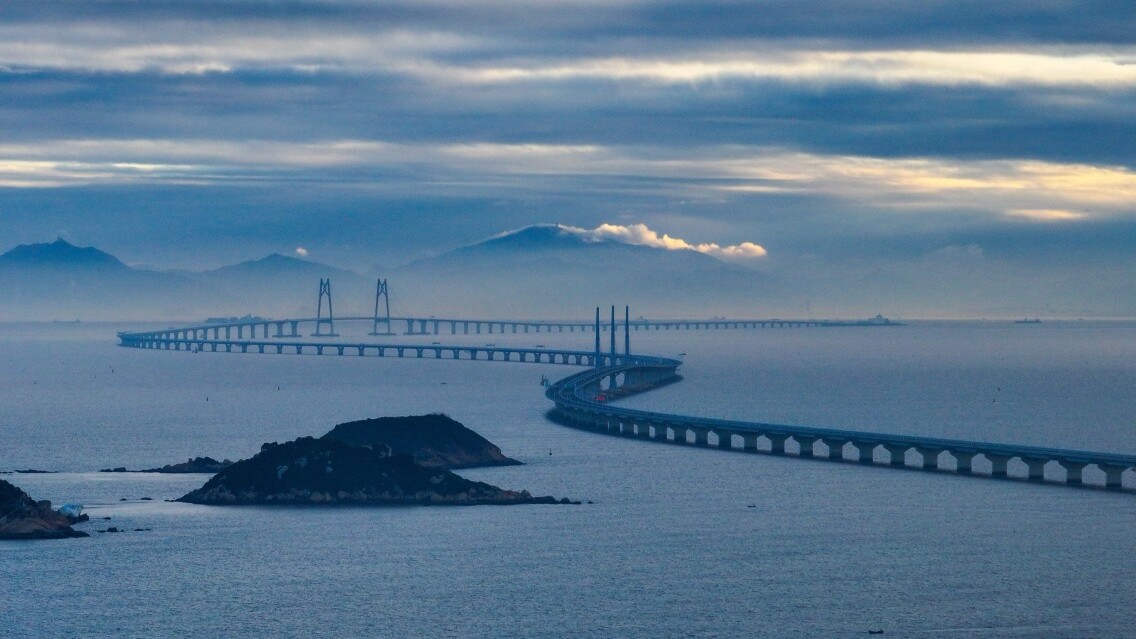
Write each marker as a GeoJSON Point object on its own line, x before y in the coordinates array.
{"type": "Point", "coordinates": [60, 253]}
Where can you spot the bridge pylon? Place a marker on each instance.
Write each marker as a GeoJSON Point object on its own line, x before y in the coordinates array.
{"type": "Point", "coordinates": [626, 330]}
{"type": "Point", "coordinates": [613, 335]}
{"type": "Point", "coordinates": [597, 358]}
{"type": "Point", "coordinates": [385, 319]}
{"type": "Point", "coordinates": [321, 321]}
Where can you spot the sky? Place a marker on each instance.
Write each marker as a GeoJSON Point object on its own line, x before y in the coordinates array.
{"type": "Point", "coordinates": [917, 148]}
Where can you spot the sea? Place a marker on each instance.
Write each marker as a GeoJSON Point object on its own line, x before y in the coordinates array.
{"type": "Point", "coordinates": [671, 541]}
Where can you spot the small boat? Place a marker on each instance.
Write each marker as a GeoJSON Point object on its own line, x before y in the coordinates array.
{"type": "Point", "coordinates": [1036, 320]}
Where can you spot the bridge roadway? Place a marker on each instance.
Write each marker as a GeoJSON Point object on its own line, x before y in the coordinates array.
{"type": "Point", "coordinates": [287, 328]}
{"type": "Point", "coordinates": [372, 349]}
{"type": "Point", "coordinates": [584, 400]}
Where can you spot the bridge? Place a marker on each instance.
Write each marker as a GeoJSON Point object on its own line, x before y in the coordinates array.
{"type": "Point", "coordinates": [266, 328]}
{"type": "Point", "coordinates": [585, 400]}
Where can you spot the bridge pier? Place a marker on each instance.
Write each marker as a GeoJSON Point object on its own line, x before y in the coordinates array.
{"type": "Point", "coordinates": [1113, 475]}
{"type": "Point", "coordinates": [963, 461]}
{"type": "Point", "coordinates": [749, 442]}
{"type": "Point", "coordinates": [725, 439]}
{"type": "Point", "coordinates": [930, 457]}
{"type": "Point", "coordinates": [776, 443]}
{"type": "Point", "coordinates": [997, 464]}
{"type": "Point", "coordinates": [1035, 468]}
{"type": "Point", "coordinates": [806, 444]}
{"type": "Point", "coordinates": [897, 454]}
{"type": "Point", "coordinates": [865, 452]}
{"type": "Point", "coordinates": [1073, 472]}
{"type": "Point", "coordinates": [835, 447]}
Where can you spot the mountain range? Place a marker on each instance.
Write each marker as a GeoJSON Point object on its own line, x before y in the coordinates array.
{"type": "Point", "coordinates": [537, 271]}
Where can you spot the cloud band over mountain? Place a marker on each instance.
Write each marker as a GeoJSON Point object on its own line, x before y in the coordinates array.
{"type": "Point", "coordinates": [641, 235]}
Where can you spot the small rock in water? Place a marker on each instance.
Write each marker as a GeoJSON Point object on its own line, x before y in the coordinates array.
{"type": "Point", "coordinates": [146, 499]}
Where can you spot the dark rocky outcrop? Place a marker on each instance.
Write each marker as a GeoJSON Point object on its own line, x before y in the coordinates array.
{"type": "Point", "coordinates": [194, 465]}
{"type": "Point", "coordinates": [21, 517]}
{"type": "Point", "coordinates": [329, 471]}
{"type": "Point", "coordinates": [434, 441]}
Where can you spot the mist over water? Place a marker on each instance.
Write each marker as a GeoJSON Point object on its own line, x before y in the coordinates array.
{"type": "Point", "coordinates": [679, 541]}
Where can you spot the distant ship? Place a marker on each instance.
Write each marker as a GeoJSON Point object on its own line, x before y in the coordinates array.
{"type": "Point", "coordinates": [1027, 320]}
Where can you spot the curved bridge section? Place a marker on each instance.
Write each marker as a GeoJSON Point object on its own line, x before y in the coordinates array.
{"type": "Point", "coordinates": [582, 400]}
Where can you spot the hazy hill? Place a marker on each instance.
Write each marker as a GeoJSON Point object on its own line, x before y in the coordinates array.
{"type": "Point", "coordinates": [62, 281]}
{"type": "Point", "coordinates": [537, 272]}
{"type": "Point", "coordinates": [287, 286]}
{"type": "Point", "coordinates": [548, 271]}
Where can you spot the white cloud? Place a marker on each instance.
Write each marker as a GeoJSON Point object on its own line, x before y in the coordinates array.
{"type": "Point", "coordinates": [1045, 215]}
{"type": "Point", "coordinates": [301, 251]}
{"type": "Point", "coordinates": [1028, 190]}
{"type": "Point", "coordinates": [641, 235]}
{"type": "Point", "coordinates": [1042, 67]}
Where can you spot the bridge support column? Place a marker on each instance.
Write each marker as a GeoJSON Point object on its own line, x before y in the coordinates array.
{"type": "Point", "coordinates": [963, 461]}
{"type": "Point", "coordinates": [725, 439]}
{"type": "Point", "coordinates": [897, 454]}
{"type": "Point", "coordinates": [865, 452]}
{"type": "Point", "coordinates": [1073, 472]}
{"type": "Point", "coordinates": [806, 444]}
{"type": "Point", "coordinates": [679, 434]}
{"type": "Point", "coordinates": [835, 447]}
{"type": "Point", "coordinates": [749, 443]}
{"type": "Point", "coordinates": [777, 443]}
{"type": "Point", "coordinates": [1036, 468]}
{"type": "Point", "coordinates": [1113, 475]}
{"type": "Point", "coordinates": [930, 457]}
{"type": "Point", "coordinates": [997, 464]}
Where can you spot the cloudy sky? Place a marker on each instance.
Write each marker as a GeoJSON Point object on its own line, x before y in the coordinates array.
{"type": "Point", "coordinates": [985, 145]}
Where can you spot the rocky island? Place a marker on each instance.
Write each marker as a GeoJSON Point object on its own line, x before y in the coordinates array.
{"type": "Point", "coordinates": [434, 441]}
{"type": "Point", "coordinates": [329, 471]}
{"type": "Point", "coordinates": [192, 465]}
{"type": "Point", "coordinates": [21, 517]}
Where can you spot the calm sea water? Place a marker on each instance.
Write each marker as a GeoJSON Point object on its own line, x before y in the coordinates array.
{"type": "Point", "coordinates": [679, 542]}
